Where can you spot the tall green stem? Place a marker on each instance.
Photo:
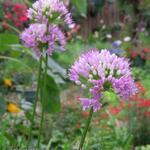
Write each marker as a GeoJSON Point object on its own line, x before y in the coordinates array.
{"type": "Point", "coordinates": [43, 100]}
{"type": "Point", "coordinates": [86, 129]}
{"type": "Point", "coordinates": [35, 101]}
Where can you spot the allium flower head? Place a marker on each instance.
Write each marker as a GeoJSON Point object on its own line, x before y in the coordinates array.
{"type": "Point", "coordinates": [98, 71]}
{"type": "Point", "coordinates": [52, 11]}
{"type": "Point", "coordinates": [41, 36]}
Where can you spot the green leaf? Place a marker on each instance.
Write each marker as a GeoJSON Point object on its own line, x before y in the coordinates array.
{"type": "Point", "coordinates": [11, 139]}
{"type": "Point", "coordinates": [81, 6]}
{"type": "Point", "coordinates": [56, 71]}
{"type": "Point", "coordinates": [56, 68]}
{"type": "Point", "coordinates": [3, 106]}
{"type": "Point", "coordinates": [28, 115]}
{"type": "Point", "coordinates": [23, 129]}
{"type": "Point", "coordinates": [51, 96]}
{"type": "Point", "coordinates": [6, 40]}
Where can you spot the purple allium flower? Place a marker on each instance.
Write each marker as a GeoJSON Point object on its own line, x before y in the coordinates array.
{"type": "Point", "coordinates": [52, 11]}
{"type": "Point", "coordinates": [97, 71]}
{"type": "Point", "coordinates": [39, 37]}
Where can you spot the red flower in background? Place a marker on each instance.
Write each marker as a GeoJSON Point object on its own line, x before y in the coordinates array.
{"type": "Point", "coordinates": [78, 125]}
{"type": "Point", "coordinates": [114, 110]}
{"type": "Point", "coordinates": [144, 103]}
{"type": "Point", "coordinates": [85, 114]}
{"type": "Point", "coordinates": [144, 53]}
{"type": "Point", "coordinates": [4, 25]}
{"type": "Point", "coordinates": [17, 8]}
{"type": "Point", "coordinates": [8, 15]}
{"type": "Point", "coordinates": [137, 101]}
{"type": "Point", "coordinates": [134, 54]}
{"type": "Point", "coordinates": [15, 14]}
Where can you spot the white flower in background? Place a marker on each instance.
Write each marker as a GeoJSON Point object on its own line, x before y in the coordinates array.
{"type": "Point", "coordinates": [109, 36]}
{"type": "Point", "coordinates": [26, 105]}
{"type": "Point", "coordinates": [96, 34]}
{"type": "Point", "coordinates": [126, 39]}
{"type": "Point", "coordinates": [104, 27]}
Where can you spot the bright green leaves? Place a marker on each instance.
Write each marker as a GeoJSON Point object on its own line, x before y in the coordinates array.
{"type": "Point", "coordinates": [81, 6]}
{"type": "Point", "coordinates": [51, 96]}
{"type": "Point", "coordinates": [6, 40]}
{"type": "Point", "coordinates": [110, 97]}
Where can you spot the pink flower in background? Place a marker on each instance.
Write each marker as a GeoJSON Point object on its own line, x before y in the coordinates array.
{"type": "Point", "coordinates": [97, 71]}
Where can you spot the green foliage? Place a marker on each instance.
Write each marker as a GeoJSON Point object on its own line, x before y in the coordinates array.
{"type": "Point", "coordinates": [73, 50]}
{"type": "Point", "coordinates": [111, 134]}
{"type": "Point", "coordinates": [110, 98]}
{"type": "Point", "coordinates": [56, 71]}
{"type": "Point", "coordinates": [138, 125]}
{"type": "Point", "coordinates": [2, 106]}
{"type": "Point", "coordinates": [145, 39]}
{"type": "Point", "coordinates": [81, 6]}
{"type": "Point", "coordinates": [51, 96]}
{"type": "Point", "coordinates": [6, 40]}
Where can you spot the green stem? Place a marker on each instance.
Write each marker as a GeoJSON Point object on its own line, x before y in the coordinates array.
{"type": "Point", "coordinates": [86, 129]}
{"type": "Point", "coordinates": [43, 100]}
{"type": "Point", "coordinates": [35, 101]}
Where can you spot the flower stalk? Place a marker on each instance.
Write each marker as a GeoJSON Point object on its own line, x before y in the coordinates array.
{"type": "Point", "coordinates": [43, 101]}
{"type": "Point", "coordinates": [36, 99]}
{"type": "Point", "coordinates": [86, 129]}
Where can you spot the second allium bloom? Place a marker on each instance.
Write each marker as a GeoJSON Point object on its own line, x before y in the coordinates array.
{"type": "Point", "coordinates": [98, 71]}
{"type": "Point", "coordinates": [42, 36]}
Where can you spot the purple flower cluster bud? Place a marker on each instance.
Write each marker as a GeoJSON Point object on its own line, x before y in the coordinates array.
{"type": "Point", "coordinates": [48, 10]}
{"type": "Point", "coordinates": [39, 36]}
{"type": "Point", "coordinates": [99, 71]}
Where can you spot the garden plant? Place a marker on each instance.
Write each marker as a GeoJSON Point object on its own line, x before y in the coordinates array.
{"type": "Point", "coordinates": [74, 75]}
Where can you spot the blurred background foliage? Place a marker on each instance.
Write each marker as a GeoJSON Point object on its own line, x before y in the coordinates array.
{"type": "Point", "coordinates": [121, 26]}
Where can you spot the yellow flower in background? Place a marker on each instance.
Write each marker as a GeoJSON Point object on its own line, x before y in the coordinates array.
{"type": "Point", "coordinates": [13, 108]}
{"type": "Point", "coordinates": [8, 82]}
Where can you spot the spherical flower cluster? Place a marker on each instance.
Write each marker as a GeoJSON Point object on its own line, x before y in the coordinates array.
{"type": "Point", "coordinates": [39, 35]}
{"type": "Point", "coordinates": [49, 10]}
{"type": "Point", "coordinates": [45, 33]}
{"type": "Point", "coordinates": [98, 71]}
